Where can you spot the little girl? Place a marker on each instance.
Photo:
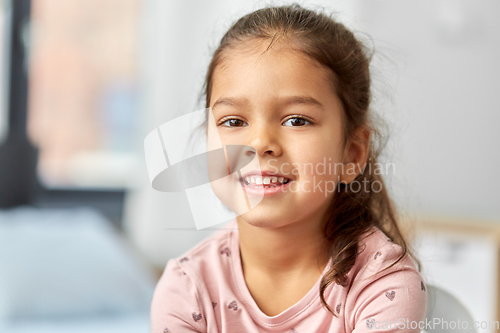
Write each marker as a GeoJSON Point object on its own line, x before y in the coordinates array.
{"type": "Point", "coordinates": [322, 251]}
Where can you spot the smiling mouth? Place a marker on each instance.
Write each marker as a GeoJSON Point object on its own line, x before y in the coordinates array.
{"type": "Point", "coordinates": [264, 182]}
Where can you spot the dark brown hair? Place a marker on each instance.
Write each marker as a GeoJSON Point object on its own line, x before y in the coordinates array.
{"type": "Point", "coordinates": [322, 38]}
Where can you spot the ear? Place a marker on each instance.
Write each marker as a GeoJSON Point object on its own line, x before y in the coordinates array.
{"type": "Point", "coordinates": [356, 154]}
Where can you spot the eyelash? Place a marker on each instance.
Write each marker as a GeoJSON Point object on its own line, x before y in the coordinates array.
{"type": "Point", "coordinates": [296, 116]}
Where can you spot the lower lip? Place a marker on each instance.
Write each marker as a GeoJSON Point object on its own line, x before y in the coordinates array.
{"type": "Point", "coordinates": [265, 191]}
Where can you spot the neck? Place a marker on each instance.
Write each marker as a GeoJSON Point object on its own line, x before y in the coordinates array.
{"type": "Point", "coordinates": [291, 251]}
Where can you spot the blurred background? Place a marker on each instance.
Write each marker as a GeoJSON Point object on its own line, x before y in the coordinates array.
{"type": "Point", "coordinates": [84, 237]}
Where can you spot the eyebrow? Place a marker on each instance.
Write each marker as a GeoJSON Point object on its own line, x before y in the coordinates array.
{"type": "Point", "coordinates": [285, 101]}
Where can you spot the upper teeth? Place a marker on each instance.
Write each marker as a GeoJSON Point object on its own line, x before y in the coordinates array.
{"type": "Point", "coordinates": [259, 180]}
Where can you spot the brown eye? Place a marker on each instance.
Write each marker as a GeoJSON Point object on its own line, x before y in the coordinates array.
{"type": "Point", "coordinates": [233, 122]}
{"type": "Point", "coordinates": [296, 121]}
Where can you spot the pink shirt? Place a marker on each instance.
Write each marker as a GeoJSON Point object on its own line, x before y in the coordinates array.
{"type": "Point", "coordinates": [205, 291]}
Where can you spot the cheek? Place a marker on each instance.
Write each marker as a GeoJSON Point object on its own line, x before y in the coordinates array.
{"type": "Point", "coordinates": [317, 153]}
{"type": "Point", "coordinates": [318, 177]}
{"type": "Point", "coordinates": [230, 137]}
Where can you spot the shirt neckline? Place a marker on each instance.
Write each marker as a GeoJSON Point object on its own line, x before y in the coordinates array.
{"type": "Point", "coordinates": [246, 298]}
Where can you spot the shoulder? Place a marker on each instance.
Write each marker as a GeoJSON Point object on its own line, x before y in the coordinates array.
{"type": "Point", "coordinates": [175, 305]}
{"type": "Point", "coordinates": [204, 260]}
{"type": "Point", "coordinates": [207, 257]}
{"type": "Point", "coordinates": [376, 253]}
{"type": "Point", "coordinates": [383, 289]}
{"type": "Point", "coordinates": [179, 300]}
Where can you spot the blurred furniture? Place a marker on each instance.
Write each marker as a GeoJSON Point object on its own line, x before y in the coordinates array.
{"type": "Point", "coordinates": [70, 270]}
{"type": "Point", "coordinates": [445, 311]}
{"type": "Point", "coordinates": [462, 257]}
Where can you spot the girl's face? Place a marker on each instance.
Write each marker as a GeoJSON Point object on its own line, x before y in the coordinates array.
{"type": "Point", "coordinates": [282, 104]}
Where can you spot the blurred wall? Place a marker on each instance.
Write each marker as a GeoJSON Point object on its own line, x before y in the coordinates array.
{"type": "Point", "coordinates": [434, 76]}
{"type": "Point", "coordinates": [442, 69]}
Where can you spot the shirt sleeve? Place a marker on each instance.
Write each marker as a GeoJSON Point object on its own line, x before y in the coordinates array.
{"type": "Point", "coordinates": [394, 300]}
{"type": "Point", "coordinates": [175, 307]}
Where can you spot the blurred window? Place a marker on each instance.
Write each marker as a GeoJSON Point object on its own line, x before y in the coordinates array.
{"type": "Point", "coordinates": [83, 93]}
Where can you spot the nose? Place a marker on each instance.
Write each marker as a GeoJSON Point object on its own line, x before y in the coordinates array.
{"type": "Point", "coordinates": [264, 141]}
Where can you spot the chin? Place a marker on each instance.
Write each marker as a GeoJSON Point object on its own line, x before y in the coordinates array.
{"type": "Point", "coordinates": [264, 219]}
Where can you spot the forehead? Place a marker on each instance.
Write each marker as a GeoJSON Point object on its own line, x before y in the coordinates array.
{"type": "Point", "coordinates": [256, 72]}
